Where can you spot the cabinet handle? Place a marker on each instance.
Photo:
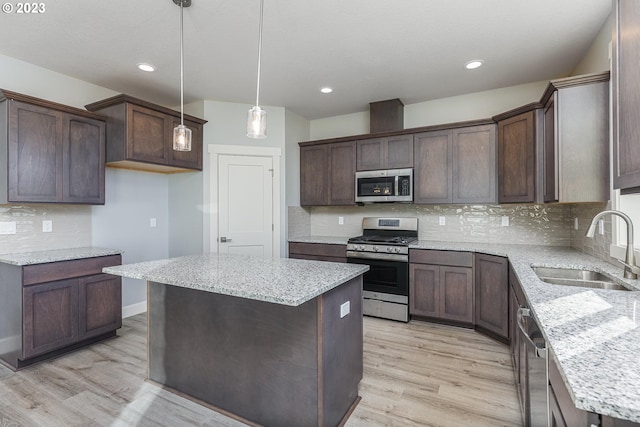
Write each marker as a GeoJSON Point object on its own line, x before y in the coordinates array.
{"type": "Point", "coordinates": [224, 240]}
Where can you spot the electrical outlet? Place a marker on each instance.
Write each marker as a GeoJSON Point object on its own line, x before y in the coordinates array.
{"type": "Point", "coordinates": [345, 308]}
{"type": "Point", "coordinates": [442, 220]}
{"type": "Point", "coordinates": [505, 221]}
{"type": "Point", "coordinates": [153, 222]}
{"type": "Point", "coordinates": [8, 227]}
{"type": "Point", "coordinates": [47, 226]}
{"type": "Point", "coordinates": [576, 225]}
{"type": "Point", "coordinates": [340, 220]}
{"type": "Point", "coordinates": [601, 227]}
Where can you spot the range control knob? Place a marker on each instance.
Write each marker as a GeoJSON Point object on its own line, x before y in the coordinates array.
{"type": "Point", "coordinates": [389, 249]}
{"type": "Point", "coordinates": [375, 249]}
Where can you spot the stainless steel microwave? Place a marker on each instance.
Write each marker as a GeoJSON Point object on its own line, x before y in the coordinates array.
{"type": "Point", "coordinates": [390, 185]}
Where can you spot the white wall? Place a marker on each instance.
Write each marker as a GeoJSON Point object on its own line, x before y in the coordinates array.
{"type": "Point", "coordinates": [132, 199]}
{"type": "Point", "coordinates": [596, 58]}
{"type": "Point", "coordinates": [472, 106]}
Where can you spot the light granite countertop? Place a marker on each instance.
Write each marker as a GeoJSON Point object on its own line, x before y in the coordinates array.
{"type": "Point", "coordinates": [55, 255]}
{"type": "Point", "coordinates": [278, 280]}
{"type": "Point", "coordinates": [594, 333]}
{"type": "Point", "coordinates": [328, 240]}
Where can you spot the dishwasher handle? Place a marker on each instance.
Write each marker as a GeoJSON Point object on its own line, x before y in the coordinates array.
{"type": "Point", "coordinates": [523, 312]}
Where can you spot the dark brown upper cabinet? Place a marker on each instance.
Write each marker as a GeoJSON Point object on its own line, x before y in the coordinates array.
{"type": "Point", "coordinates": [456, 165]}
{"type": "Point", "coordinates": [327, 174]}
{"type": "Point", "coordinates": [140, 136]}
{"type": "Point", "coordinates": [626, 96]}
{"type": "Point", "coordinates": [517, 147]}
{"type": "Point", "coordinates": [51, 153]}
{"type": "Point", "coordinates": [390, 152]}
{"type": "Point", "coordinates": [575, 150]}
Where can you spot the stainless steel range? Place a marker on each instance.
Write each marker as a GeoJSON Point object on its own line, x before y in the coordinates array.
{"type": "Point", "coordinates": [384, 247]}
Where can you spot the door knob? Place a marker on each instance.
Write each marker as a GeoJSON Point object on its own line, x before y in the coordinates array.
{"type": "Point", "coordinates": [224, 240]}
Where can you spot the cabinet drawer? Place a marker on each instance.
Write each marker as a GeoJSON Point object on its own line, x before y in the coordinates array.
{"type": "Point", "coordinates": [319, 249]}
{"type": "Point", "coordinates": [40, 273]}
{"type": "Point", "coordinates": [459, 259]}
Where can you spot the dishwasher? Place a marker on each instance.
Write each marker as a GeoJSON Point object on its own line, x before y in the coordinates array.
{"type": "Point", "coordinates": [537, 389]}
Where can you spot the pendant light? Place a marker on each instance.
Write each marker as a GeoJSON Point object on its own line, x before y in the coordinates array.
{"type": "Point", "coordinates": [257, 117]}
{"type": "Point", "coordinates": [181, 133]}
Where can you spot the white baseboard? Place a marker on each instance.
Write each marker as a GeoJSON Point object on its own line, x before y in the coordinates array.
{"type": "Point", "coordinates": [133, 309]}
{"type": "Point", "coordinates": [10, 344]}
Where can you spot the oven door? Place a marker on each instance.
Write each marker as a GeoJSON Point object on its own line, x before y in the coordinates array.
{"type": "Point", "coordinates": [386, 277]}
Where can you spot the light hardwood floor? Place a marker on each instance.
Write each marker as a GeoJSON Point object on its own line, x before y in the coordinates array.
{"type": "Point", "coordinates": [415, 374]}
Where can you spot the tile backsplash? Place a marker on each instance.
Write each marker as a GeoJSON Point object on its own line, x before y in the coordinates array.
{"type": "Point", "coordinates": [597, 246]}
{"type": "Point", "coordinates": [71, 227]}
{"type": "Point", "coordinates": [528, 224]}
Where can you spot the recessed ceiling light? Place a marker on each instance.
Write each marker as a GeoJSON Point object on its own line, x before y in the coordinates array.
{"type": "Point", "coordinates": [146, 67]}
{"type": "Point", "coordinates": [476, 63]}
{"type": "Point", "coordinates": [326, 89]}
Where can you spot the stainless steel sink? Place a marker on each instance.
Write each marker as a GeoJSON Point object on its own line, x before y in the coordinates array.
{"type": "Point", "coordinates": [575, 277]}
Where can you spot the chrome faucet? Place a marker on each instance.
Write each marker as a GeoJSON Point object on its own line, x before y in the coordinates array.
{"type": "Point", "coordinates": [631, 270]}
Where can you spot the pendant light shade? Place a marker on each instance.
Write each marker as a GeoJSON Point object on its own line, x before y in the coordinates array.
{"type": "Point", "coordinates": [181, 138]}
{"type": "Point", "coordinates": [257, 117]}
{"type": "Point", "coordinates": [257, 123]}
{"type": "Point", "coordinates": [181, 133]}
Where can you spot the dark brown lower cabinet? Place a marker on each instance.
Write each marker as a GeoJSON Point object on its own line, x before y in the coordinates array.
{"type": "Point", "coordinates": [492, 295]}
{"type": "Point", "coordinates": [50, 318]}
{"type": "Point", "coordinates": [100, 305]}
{"type": "Point", "coordinates": [48, 309]}
{"type": "Point", "coordinates": [443, 292]}
{"type": "Point", "coordinates": [318, 251]}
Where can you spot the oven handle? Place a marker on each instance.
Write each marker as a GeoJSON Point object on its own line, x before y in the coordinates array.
{"type": "Point", "coordinates": [377, 256]}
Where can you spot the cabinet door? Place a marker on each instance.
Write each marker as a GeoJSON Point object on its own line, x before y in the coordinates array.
{"type": "Point", "coordinates": [626, 94]}
{"type": "Point", "coordinates": [424, 290]}
{"type": "Point", "coordinates": [456, 294]}
{"type": "Point", "coordinates": [550, 155]}
{"type": "Point", "coordinates": [433, 172]}
{"type": "Point", "coordinates": [147, 132]}
{"type": "Point", "coordinates": [555, 413]}
{"type": "Point", "coordinates": [474, 164]}
{"type": "Point", "coordinates": [370, 154]}
{"type": "Point", "coordinates": [313, 175]}
{"type": "Point", "coordinates": [35, 154]}
{"type": "Point", "coordinates": [398, 152]}
{"type": "Point", "coordinates": [100, 305]}
{"type": "Point", "coordinates": [492, 295]}
{"type": "Point", "coordinates": [50, 316]}
{"type": "Point", "coordinates": [516, 159]}
{"type": "Point", "coordinates": [83, 160]}
{"type": "Point", "coordinates": [187, 159]}
{"type": "Point", "coordinates": [341, 173]}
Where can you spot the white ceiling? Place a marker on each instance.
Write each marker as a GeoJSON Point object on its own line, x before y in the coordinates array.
{"type": "Point", "coordinates": [367, 50]}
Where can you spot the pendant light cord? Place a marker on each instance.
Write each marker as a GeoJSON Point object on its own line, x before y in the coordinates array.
{"type": "Point", "coordinates": [181, 65]}
{"type": "Point", "coordinates": [259, 53]}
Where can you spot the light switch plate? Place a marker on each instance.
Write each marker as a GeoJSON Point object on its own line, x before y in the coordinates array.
{"type": "Point", "coordinates": [153, 222]}
{"type": "Point", "coordinates": [340, 220]}
{"type": "Point", "coordinates": [442, 220]}
{"type": "Point", "coordinates": [576, 224]}
{"type": "Point", "coordinates": [47, 226]}
{"type": "Point", "coordinates": [345, 308]}
{"type": "Point", "coordinates": [8, 227]}
{"type": "Point", "coordinates": [505, 221]}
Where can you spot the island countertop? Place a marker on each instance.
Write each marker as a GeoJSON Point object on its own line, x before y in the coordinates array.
{"type": "Point", "coordinates": [276, 280]}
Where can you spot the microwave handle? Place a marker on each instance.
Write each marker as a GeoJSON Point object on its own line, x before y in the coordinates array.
{"type": "Point", "coordinates": [397, 189]}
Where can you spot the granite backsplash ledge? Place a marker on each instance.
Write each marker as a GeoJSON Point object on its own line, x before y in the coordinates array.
{"type": "Point", "coordinates": [528, 223]}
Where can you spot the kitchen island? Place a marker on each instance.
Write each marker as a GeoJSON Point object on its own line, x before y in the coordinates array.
{"type": "Point", "coordinates": [272, 342]}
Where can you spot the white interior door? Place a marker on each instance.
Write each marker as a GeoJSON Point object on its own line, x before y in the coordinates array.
{"type": "Point", "coordinates": [245, 202]}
